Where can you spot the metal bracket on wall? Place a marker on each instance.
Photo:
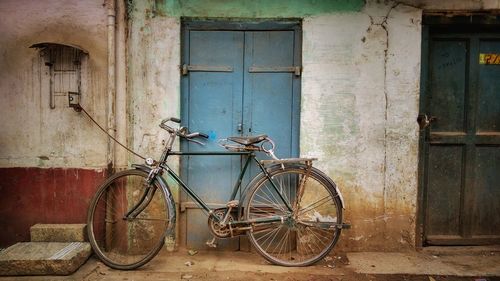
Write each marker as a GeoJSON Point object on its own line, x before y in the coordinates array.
{"type": "Point", "coordinates": [297, 70]}
{"type": "Point", "coordinates": [74, 101]}
{"type": "Point", "coordinates": [185, 69]}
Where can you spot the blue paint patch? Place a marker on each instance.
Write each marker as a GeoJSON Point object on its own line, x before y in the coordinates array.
{"type": "Point", "coordinates": [212, 135]}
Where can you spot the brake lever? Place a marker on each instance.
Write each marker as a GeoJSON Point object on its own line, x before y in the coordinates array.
{"type": "Point", "coordinates": [195, 141]}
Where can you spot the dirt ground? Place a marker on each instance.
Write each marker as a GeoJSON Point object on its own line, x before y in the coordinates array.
{"type": "Point", "coordinates": [244, 266]}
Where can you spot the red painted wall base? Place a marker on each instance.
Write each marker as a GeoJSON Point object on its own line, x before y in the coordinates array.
{"type": "Point", "coordinates": [34, 195]}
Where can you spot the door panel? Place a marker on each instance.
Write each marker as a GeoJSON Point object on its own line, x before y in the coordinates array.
{"type": "Point", "coordinates": [213, 106]}
{"type": "Point", "coordinates": [486, 195]}
{"type": "Point", "coordinates": [269, 96]}
{"type": "Point", "coordinates": [461, 147]}
{"type": "Point", "coordinates": [488, 90]}
{"type": "Point", "coordinates": [486, 205]}
{"type": "Point", "coordinates": [448, 84]}
{"type": "Point", "coordinates": [444, 189]}
{"type": "Point", "coordinates": [222, 97]}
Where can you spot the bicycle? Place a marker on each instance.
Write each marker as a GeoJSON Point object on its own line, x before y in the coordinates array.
{"type": "Point", "coordinates": [291, 211]}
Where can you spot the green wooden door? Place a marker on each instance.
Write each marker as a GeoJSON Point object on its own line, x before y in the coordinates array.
{"type": "Point", "coordinates": [461, 147]}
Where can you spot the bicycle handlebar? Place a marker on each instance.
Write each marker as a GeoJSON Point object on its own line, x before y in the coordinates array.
{"type": "Point", "coordinates": [182, 131]}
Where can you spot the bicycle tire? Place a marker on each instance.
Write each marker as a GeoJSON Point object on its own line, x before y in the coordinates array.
{"type": "Point", "coordinates": [127, 243]}
{"type": "Point", "coordinates": [310, 234]}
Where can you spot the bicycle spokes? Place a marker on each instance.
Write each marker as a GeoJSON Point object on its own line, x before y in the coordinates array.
{"type": "Point", "coordinates": [300, 236]}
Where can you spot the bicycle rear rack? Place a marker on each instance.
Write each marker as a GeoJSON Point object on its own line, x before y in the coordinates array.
{"type": "Point", "coordinates": [307, 161]}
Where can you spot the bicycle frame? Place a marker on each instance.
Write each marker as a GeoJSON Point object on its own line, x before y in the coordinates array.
{"type": "Point", "coordinates": [163, 166]}
{"type": "Point", "coordinates": [237, 186]}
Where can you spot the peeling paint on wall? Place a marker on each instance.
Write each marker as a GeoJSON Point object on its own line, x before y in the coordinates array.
{"type": "Point", "coordinates": [254, 8]}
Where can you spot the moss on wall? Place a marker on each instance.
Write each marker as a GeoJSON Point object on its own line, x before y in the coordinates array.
{"type": "Point", "coordinates": [254, 8]}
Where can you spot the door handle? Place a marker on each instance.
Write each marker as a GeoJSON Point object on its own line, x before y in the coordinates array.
{"type": "Point", "coordinates": [424, 121]}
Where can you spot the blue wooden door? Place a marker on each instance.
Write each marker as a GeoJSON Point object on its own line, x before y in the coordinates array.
{"type": "Point", "coordinates": [235, 82]}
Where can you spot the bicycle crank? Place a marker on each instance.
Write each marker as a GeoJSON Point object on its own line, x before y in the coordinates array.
{"type": "Point", "coordinates": [216, 228]}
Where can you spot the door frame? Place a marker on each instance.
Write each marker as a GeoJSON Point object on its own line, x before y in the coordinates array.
{"type": "Point", "coordinates": [444, 23]}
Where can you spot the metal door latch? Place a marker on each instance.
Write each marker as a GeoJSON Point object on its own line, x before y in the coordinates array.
{"type": "Point", "coordinates": [424, 121]}
{"type": "Point", "coordinates": [297, 70]}
{"type": "Point", "coordinates": [185, 69]}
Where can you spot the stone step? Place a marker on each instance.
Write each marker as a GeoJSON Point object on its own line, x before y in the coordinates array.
{"type": "Point", "coordinates": [43, 258]}
{"type": "Point", "coordinates": [58, 233]}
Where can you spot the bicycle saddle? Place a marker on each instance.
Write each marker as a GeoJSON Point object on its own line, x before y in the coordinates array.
{"type": "Point", "coordinates": [248, 140]}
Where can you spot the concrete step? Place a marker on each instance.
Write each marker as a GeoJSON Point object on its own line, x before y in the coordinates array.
{"type": "Point", "coordinates": [44, 258]}
{"type": "Point", "coordinates": [58, 233]}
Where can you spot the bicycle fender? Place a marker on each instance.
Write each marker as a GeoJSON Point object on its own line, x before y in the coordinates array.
{"type": "Point", "coordinates": [278, 166]}
{"type": "Point", "coordinates": [164, 186]}
{"type": "Point", "coordinates": [337, 190]}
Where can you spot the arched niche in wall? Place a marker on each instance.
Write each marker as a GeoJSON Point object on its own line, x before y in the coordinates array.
{"type": "Point", "coordinates": [65, 63]}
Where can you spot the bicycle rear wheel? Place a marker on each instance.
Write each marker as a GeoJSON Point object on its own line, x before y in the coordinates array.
{"type": "Point", "coordinates": [308, 230]}
{"type": "Point", "coordinates": [122, 241]}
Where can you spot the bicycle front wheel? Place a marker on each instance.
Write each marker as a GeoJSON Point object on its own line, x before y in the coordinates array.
{"type": "Point", "coordinates": [127, 220]}
{"type": "Point", "coordinates": [296, 213]}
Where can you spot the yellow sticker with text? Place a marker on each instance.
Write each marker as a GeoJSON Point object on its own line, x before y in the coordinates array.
{"type": "Point", "coordinates": [489, 58]}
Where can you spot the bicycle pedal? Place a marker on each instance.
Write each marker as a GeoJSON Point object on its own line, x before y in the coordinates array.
{"type": "Point", "coordinates": [233, 203]}
{"type": "Point", "coordinates": [211, 243]}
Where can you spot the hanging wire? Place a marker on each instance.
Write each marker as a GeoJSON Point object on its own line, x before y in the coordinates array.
{"type": "Point", "coordinates": [78, 108]}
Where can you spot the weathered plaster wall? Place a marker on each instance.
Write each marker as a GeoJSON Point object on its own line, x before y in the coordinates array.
{"type": "Point", "coordinates": [51, 160]}
{"type": "Point", "coordinates": [356, 91]}
{"type": "Point", "coordinates": [153, 81]}
{"type": "Point", "coordinates": [360, 93]}
{"type": "Point", "coordinates": [360, 89]}
{"type": "Point", "coordinates": [36, 135]}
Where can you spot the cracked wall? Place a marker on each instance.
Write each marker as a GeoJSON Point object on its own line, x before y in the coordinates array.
{"type": "Point", "coordinates": [364, 83]}
{"type": "Point", "coordinates": [360, 89]}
